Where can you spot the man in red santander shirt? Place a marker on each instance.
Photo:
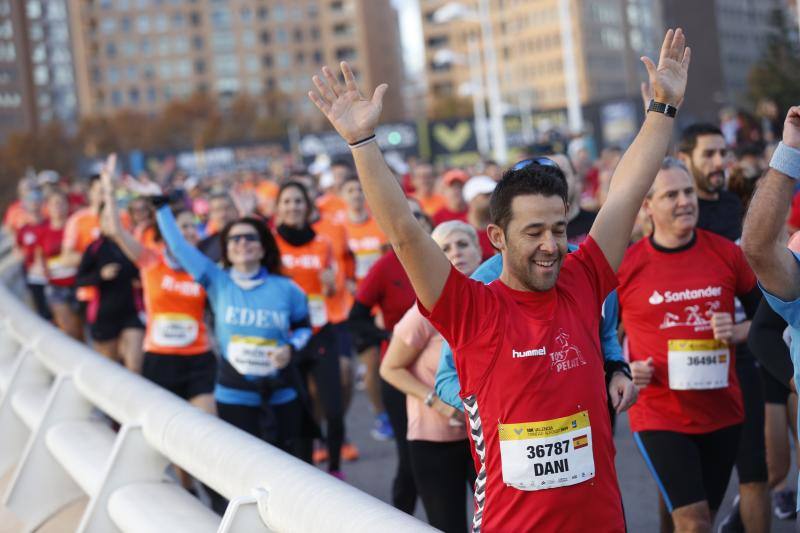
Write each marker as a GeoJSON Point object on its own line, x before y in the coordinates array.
{"type": "Point", "coordinates": [526, 346]}
{"type": "Point", "coordinates": [676, 293]}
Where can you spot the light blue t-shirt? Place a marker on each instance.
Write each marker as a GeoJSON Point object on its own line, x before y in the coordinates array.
{"type": "Point", "coordinates": [265, 311]}
{"type": "Point", "coordinates": [790, 312]}
{"type": "Point", "coordinates": [447, 384]}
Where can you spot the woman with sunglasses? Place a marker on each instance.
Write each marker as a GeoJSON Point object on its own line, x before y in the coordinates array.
{"type": "Point", "coordinates": [261, 321]}
{"type": "Point", "coordinates": [437, 437]}
{"type": "Point", "coordinates": [308, 259]}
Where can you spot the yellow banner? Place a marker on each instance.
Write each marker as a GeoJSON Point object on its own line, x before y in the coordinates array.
{"type": "Point", "coordinates": [545, 428]}
{"type": "Point", "coordinates": [695, 345]}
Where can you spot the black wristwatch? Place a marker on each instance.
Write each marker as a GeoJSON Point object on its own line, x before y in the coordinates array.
{"type": "Point", "coordinates": [613, 366]}
{"type": "Point", "coordinates": [660, 107]}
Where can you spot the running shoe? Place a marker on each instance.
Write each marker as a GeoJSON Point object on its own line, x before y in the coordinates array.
{"type": "Point", "coordinates": [350, 452]}
{"type": "Point", "coordinates": [319, 455]}
{"type": "Point", "coordinates": [733, 522]}
{"type": "Point", "coordinates": [383, 429]}
{"type": "Point", "coordinates": [784, 504]}
{"type": "Point", "coordinates": [338, 474]}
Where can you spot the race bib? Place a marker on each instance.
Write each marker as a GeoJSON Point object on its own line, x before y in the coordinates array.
{"type": "Point", "coordinates": [317, 312]}
{"type": "Point", "coordinates": [57, 270]}
{"type": "Point", "coordinates": [251, 355]}
{"type": "Point", "coordinates": [547, 454]}
{"type": "Point", "coordinates": [364, 262]}
{"type": "Point", "coordinates": [698, 364]}
{"type": "Point", "coordinates": [174, 330]}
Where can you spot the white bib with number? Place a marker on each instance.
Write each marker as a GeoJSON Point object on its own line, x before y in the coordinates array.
{"type": "Point", "coordinates": [317, 312]}
{"type": "Point", "coordinates": [547, 454]}
{"type": "Point", "coordinates": [174, 330]}
{"type": "Point", "coordinates": [251, 355]}
{"type": "Point", "coordinates": [698, 364]}
{"type": "Point", "coordinates": [57, 270]}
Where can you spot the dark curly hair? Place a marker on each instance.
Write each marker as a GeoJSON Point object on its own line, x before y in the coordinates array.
{"type": "Point", "coordinates": [272, 256]}
{"type": "Point", "coordinates": [532, 179]}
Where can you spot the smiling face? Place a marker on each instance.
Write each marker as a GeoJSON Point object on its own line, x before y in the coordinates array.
{"type": "Point", "coordinates": [244, 246]}
{"type": "Point", "coordinates": [292, 209]}
{"type": "Point", "coordinates": [534, 244]}
{"type": "Point", "coordinates": [672, 204]}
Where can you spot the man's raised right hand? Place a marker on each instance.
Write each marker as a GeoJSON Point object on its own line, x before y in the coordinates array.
{"type": "Point", "coordinates": [353, 116]}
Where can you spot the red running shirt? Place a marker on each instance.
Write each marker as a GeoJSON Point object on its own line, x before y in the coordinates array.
{"type": "Point", "coordinates": [387, 286]}
{"type": "Point", "coordinates": [667, 297]}
{"type": "Point", "coordinates": [533, 386]}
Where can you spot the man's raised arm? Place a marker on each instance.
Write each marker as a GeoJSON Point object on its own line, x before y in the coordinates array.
{"type": "Point", "coordinates": [638, 168]}
{"type": "Point", "coordinates": [764, 226]}
{"type": "Point", "coordinates": [355, 117]}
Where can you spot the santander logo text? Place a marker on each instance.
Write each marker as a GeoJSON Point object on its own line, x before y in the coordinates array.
{"type": "Point", "coordinates": [685, 295]}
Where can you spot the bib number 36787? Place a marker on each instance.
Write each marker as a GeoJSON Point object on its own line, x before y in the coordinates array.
{"type": "Point", "coordinates": [547, 454]}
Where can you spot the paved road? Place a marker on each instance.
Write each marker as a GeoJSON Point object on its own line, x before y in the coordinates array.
{"type": "Point", "coordinates": [374, 471]}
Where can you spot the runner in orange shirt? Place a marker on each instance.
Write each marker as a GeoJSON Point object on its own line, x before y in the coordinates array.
{"type": "Point", "coordinates": [364, 237]}
{"type": "Point", "coordinates": [330, 204]}
{"type": "Point", "coordinates": [424, 181]}
{"type": "Point", "coordinates": [307, 258]}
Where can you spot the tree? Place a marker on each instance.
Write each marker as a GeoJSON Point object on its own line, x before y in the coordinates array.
{"type": "Point", "coordinates": [777, 76]}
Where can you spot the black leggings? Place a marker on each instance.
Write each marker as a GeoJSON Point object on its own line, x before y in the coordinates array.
{"type": "Point", "coordinates": [283, 431]}
{"type": "Point", "coordinates": [320, 360]}
{"type": "Point", "coordinates": [404, 490]}
{"type": "Point", "coordinates": [441, 471]}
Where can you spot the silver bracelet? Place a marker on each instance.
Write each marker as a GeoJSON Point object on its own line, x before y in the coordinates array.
{"type": "Point", "coordinates": [430, 398]}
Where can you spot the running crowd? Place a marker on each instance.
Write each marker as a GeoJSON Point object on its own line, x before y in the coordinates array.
{"type": "Point", "coordinates": [550, 297]}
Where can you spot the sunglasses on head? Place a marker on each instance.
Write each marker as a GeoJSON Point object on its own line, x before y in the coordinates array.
{"type": "Point", "coordinates": [535, 161]}
{"type": "Point", "coordinates": [246, 237]}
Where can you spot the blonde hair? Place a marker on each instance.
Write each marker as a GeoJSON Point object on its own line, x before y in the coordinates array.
{"type": "Point", "coordinates": [443, 230]}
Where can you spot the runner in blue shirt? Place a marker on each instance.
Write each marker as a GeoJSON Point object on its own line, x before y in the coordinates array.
{"type": "Point", "coordinates": [261, 321]}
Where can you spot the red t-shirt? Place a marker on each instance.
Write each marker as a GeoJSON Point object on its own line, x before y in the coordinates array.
{"type": "Point", "coordinates": [533, 385]}
{"type": "Point", "coordinates": [445, 215]}
{"type": "Point", "coordinates": [57, 272]}
{"type": "Point", "coordinates": [29, 237]}
{"type": "Point", "coordinates": [387, 286]}
{"type": "Point", "coordinates": [666, 299]}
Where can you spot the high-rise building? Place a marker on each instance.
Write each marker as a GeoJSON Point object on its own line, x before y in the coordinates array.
{"type": "Point", "coordinates": [728, 38]}
{"type": "Point", "coordinates": [608, 36]}
{"type": "Point", "coordinates": [17, 111]}
{"type": "Point", "coordinates": [37, 73]}
{"type": "Point", "coordinates": [143, 53]}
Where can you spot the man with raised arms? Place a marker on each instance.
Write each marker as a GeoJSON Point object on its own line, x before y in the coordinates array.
{"type": "Point", "coordinates": [540, 433]}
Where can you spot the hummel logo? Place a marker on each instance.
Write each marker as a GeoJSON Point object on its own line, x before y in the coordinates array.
{"type": "Point", "coordinates": [536, 352]}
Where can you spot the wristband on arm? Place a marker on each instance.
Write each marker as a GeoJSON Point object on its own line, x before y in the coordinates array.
{"type": "Point", "coordinates": [786, 160]}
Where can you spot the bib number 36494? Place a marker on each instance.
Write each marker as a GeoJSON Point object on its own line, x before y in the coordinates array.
{"type": "Point", "coordinates": [547, 454]}
{"type": "Point", "coordinates": [698, 364]}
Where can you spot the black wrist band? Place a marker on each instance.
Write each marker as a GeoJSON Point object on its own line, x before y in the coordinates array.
{"type": "Point", "coordinates": [365, 139]}
{"type": "Point", "coordinates": [665, 109]}
{"type": "Point", "coordinates": [613, 366]}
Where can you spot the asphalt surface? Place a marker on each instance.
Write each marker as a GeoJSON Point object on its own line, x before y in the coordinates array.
{"type": "Point", "coordinates": [374, 471]}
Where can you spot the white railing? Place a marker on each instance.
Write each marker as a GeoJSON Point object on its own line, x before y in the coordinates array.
{"type": "Point", "coordinates": [56, 398]}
